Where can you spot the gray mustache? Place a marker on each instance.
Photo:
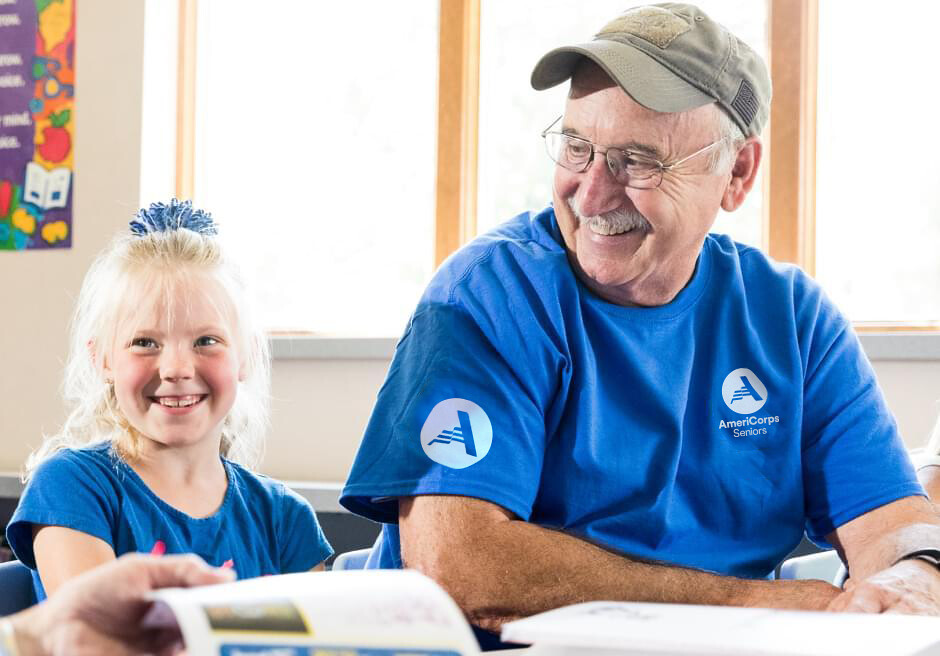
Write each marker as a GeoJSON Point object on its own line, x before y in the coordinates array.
{"type": "Point", "coordinates": [611, 223]}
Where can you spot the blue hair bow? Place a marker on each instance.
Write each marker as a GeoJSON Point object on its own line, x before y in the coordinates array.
{"type": "Point", "coordinates": [178, 215]}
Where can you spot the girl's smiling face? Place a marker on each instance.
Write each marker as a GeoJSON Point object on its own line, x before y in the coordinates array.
{"type": "Point", "coordinates": [175, 364]}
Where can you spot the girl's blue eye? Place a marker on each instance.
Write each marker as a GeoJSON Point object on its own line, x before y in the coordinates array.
{"type": "Point", "coordinates": [143, 342]}
{"type": "Point", "coordinates": [205, 340]}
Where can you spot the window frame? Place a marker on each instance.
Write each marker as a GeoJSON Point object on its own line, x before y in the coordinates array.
{"type": "Point", "coordinates": [790, 142]}
{"type": "Point", "coordinates": [186, 99]}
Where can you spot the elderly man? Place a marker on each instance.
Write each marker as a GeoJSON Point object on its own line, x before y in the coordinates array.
{"type": "Point", "coordinates": [605, 401]}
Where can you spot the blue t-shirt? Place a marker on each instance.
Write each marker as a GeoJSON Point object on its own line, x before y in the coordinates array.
{"type": "Point", "coordinates": [708, 432]}
{"type": "Point", "coordinates": [262, 527]}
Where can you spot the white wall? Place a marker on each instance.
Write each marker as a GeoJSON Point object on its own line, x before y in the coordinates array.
{"type": "Point", "coordinates": [321, 406]}
{"type": "Point", "coordinates": [38, 286]}
{"type": "Point", "coordinates": [319, 411]}
{"type": "Point", "coordinates": [913, 393]}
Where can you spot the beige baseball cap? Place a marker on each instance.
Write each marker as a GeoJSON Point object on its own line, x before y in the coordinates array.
{"type": "Point", "coordinates": [671, 57]}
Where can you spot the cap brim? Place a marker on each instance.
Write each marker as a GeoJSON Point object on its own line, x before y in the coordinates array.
{"type": "Point", "coordinates": [646, 81]}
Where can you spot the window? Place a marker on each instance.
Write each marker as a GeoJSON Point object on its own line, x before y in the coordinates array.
{"type": "Point", "coordinates": [877, 197]}
{"type": "Point", "coordinates": [158, 152]}
{"type": "Point", "coordinates": [344, 243]}
{"type": "Point", "coordinates": [315, 151]}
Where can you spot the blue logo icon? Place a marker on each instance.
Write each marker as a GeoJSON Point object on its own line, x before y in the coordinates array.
{"type": "Point", "coordinates": [457, 433]}
{"type": "Point", "coordinates": [462, 433]}
{"type": "Point", "coordinates": [743, 391]}
{"type": "Point", "coordinates": [746, 390]}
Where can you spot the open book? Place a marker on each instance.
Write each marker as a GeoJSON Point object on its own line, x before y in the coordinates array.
{"type": "Point", "coordinates": [349, 613]}
{"type": "Point", "coordinates": [605, 628]}
{"type": "Point", "coordinates": [398, 613]}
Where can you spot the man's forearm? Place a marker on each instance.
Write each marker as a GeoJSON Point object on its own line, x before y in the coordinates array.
{"type": "Point", "coordinates": [498, 571]}
{"type": "Point", "coordinates": [888, 549]}
{"type": "Point", "coordinates": [878, 539]}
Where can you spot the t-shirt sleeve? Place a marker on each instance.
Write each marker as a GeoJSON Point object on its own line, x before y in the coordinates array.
{"type": "Point", "coordinates": [853, 457]}
{"type": "Point", "coordinates": [302, 542]}
{"type": "Point", "coordinates": [66, 490]}
{"type": "Point", "coordinates": [457, 415]}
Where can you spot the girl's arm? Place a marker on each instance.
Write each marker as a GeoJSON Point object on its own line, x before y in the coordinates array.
{"type": "Point", "coordinates": [63, 553]}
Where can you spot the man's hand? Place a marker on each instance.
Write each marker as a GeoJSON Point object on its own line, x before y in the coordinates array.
{"type": "Point", "coordinates": [911, 586]}
{"type": "Point", "coordinates": [875, 540]}
{"type": "Point", "coordinates": [99, 612]}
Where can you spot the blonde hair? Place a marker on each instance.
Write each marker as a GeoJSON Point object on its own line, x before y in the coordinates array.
{"type": "Point", "coordinates": [130, 269]}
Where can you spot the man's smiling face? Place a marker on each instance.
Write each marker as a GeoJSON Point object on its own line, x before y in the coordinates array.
{"type": "Point", "coordinates": [636, 246]}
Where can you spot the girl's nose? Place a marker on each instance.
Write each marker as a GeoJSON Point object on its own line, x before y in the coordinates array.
{"type": "Point", "coordinates": [176, 364]}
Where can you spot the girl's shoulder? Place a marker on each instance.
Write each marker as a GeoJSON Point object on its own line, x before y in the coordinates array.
{"type": "Point", "coordinates": [95, 459]}
{"type": "Point", "coordinates": [289, 519]}
{"type": "Point", "coordinates": [268, 497]}
{"type": "Point", "coordinates": [260, 487]}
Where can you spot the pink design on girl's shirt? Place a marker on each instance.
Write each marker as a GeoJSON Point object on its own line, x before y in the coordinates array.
{"type": "Point", "coordinates": [159, 548]}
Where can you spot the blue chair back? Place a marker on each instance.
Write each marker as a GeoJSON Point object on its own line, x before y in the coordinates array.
{"type": "Point", "coordinates": [352, 559]}
{"type": "Point", "coordinates": [358, 559]}
{"type": "Point", "coordinates": [824, 566]}
{"type": "Point", "coordinates": [16, 587]}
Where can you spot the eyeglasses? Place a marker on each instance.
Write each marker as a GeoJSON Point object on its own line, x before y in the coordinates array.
{"type": "Point", "coordinates": [628, 168]}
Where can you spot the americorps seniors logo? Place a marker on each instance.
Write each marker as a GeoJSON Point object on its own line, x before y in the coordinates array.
{"type": "Point", "coordinates": [744, 392]}
{"type": "Point", "coordinates": [457, 433]}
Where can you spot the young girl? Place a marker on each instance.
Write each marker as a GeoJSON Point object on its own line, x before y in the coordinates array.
{"type": "Point", "coordinates": [168, 377]}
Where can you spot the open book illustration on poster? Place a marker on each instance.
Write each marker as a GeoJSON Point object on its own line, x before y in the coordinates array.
{"type": "Point", "coordinates": [46, 189]}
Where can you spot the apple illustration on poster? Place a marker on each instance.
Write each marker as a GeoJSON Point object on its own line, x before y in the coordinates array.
{"type": "Point", "coordinates": [56, 139]}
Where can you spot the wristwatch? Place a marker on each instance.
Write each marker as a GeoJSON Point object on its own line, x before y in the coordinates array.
{"type": "Point", "coordinates": [930, 556]}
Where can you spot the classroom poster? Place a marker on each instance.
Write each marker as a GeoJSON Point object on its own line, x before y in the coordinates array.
{"type": "Point", "coordinates": [37, 123]}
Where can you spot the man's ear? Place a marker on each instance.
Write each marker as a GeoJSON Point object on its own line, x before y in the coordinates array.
{"type": "Point", "coordinates": [743, 174]}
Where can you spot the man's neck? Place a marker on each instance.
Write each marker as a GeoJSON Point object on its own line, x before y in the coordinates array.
{"type": "Point", "coordinates": [652, 291]}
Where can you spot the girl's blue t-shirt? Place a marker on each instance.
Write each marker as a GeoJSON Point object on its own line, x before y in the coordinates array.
{"type": "Point", "coordinates": [709, 432]}
{"type": "Point", "coordinates": [261, 528]}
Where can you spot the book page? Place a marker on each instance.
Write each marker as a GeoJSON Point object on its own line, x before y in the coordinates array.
{"type": "Point", "coordinates": [34, 185]}
{"type": "Point", "coordinates": [624, 628]}
{"type": "Point", "coordinates": [374, 612]}
{"type": "Point", "coordinates": [57, 190]}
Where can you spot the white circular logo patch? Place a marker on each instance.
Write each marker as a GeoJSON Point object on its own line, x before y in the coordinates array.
{"type": "Point", "coordinates": [457, 433]}
{"type": "Point", "coordinates": [743, 392]}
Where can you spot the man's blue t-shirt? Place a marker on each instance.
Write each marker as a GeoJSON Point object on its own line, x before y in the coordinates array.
{"type": "Point", "coordinates": [708, 432]}
{"type": "Point", "coordinates": [261, 528]}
